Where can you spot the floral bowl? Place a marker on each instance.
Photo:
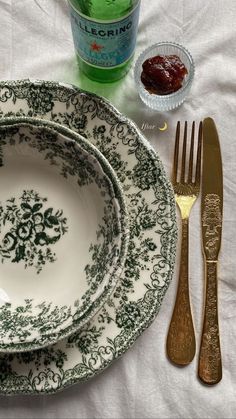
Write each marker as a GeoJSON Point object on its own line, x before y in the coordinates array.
{"type": "Point", "coordinates": [63, 232]}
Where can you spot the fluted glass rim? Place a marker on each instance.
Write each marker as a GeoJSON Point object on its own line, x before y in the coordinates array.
{"type": "Point", "coordinates": [171, 100]}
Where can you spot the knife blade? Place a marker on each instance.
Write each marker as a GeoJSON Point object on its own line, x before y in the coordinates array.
{"type": "Point", "coordinates": [210, 364]}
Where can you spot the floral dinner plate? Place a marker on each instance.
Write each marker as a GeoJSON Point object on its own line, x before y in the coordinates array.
{"type": "Point", "coordinates": [63, 232]}
{"type": "Point", "coordinates": [148, 268]}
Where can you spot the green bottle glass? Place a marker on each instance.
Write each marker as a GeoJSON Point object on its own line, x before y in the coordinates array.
{"type": "Point", "coordinates": [104, 33]}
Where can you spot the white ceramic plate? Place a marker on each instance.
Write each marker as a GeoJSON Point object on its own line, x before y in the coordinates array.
{"type": "Point", "coordinates": [148, 269]}
{"type": "Point", "coordinates": [63, 232]}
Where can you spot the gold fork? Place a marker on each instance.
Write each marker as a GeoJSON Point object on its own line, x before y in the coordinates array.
{"type": "Point", "coordinates": [181, 344]}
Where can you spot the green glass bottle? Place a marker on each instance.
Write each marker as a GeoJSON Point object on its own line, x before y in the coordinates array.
{"type": "Point", "coordinates": [104, 33]}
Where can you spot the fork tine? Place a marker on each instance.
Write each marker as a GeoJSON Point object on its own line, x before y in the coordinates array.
{"type": "Point", "coordinates": [182, 176]}
{"type": "Point", "coordinates": [199, 149]}
{"type": "Point", "coordinates": [176, 152]}
{"type": "Point", "coordinates": [190, 168]}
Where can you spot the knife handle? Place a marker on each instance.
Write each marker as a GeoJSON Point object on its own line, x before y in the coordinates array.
{"type": "Point", "coordinates": [181, 345]}
{"type": "Point", "coordinates": [210, 365]}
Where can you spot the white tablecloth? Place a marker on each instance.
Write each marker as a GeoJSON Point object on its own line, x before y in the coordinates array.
{"type": "Point", "coordinates": [36, 42]}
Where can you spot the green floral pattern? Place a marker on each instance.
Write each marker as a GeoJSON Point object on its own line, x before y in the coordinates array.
{"type": "Point", "coordinates": [139, 293]}
{"type": "Point", "coordinates": [29, 228]}
{"type": "Point", "coordinates": [32, 229]}
{"type": "Point", "coordinates": [19, 323]}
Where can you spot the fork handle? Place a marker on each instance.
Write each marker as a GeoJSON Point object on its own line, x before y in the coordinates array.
{"type": "Point", "coordinates": [210, 365]}
{"type": "Point", "coordinates": [181, 344]}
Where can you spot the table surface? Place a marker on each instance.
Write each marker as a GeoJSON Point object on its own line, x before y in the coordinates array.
{"type": "Point", "coordinates": [36, 42]}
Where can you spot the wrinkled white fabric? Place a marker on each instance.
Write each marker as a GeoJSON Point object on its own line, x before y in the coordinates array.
{"type": "Point", "coordinates": [36, 42]}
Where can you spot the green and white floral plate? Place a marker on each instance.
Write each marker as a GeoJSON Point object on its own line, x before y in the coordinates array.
{"type": "Point", "coordinates": [149, 264]}
{"type": "Point", "coordinates": [63, 232]}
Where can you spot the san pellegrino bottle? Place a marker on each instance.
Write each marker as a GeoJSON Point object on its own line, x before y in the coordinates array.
{"type": "Point", "coordinates": [104, 33]}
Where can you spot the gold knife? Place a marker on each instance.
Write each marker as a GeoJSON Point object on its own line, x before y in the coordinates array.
{"type": "Point", "coordinates": [210, 365]}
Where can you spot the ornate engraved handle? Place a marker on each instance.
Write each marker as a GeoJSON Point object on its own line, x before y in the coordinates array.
{"type": "Point", "coordinates": [210, 366]}
{"type": "Point", "coordinates": [181, 345]}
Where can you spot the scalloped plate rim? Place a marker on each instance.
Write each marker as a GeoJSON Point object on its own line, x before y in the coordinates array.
{"type": "Point", "coordinates": [141, 325]}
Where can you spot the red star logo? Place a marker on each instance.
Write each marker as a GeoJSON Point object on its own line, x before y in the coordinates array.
{"type": "Point", "coordinates": [95, 47]}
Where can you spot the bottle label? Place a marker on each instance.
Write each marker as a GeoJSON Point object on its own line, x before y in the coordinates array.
{"type": "Point", "coordinates": [104, 44]}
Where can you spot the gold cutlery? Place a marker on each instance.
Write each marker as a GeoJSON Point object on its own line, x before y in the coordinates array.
{"type": "Point", "coordinates": [210, 365]}
{"type": "Point", "coordinates": [181, 345]}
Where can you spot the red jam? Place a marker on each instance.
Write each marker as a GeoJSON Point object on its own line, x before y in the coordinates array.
{"type": "Point", "coordinates": [163, 74]}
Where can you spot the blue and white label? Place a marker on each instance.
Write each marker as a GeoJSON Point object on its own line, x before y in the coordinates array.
{"type": "Point", "coordinates": [105, 44]}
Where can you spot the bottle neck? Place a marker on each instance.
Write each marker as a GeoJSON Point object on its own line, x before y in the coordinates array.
{"type": "Point", "coordinates": [104, 9]}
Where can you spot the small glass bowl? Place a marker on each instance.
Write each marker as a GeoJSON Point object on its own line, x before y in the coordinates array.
{"type": "Point", "coordinates": [172, 100]}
